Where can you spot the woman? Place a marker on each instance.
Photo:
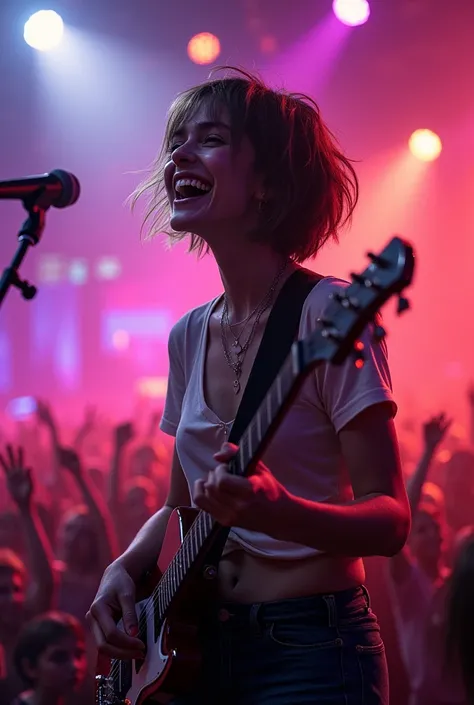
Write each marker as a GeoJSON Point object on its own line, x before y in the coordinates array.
{"type": "Point", "coordinates": [255, 177]}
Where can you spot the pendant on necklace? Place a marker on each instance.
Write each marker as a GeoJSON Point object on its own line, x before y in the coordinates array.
{"type": "Point", "coordinates": [237, 347]}
{"type": "Point", "coordinates": [236, 386]}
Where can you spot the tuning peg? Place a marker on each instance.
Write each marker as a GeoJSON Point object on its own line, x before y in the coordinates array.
{"type": "Point", "coordinates": [376, 259]}
{"type": "Point", "coordinates": [379, 333]}
{"type": "Point", "coordinates": [358, 278]}
{"type": "Point", "coordinates": [403, 304]}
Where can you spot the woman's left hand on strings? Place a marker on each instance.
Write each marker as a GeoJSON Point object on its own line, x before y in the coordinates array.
{"type": "Point", "coordinates": [252, 502]}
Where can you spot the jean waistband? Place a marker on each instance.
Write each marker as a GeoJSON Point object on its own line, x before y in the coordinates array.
{"type": "Point", "coordinates": [324, 607]}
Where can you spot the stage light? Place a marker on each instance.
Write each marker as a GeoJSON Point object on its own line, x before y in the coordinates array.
{"type": "Point", "coordinates": [351, 12]}
{"type": "Point", "coordinates": [78, 271]}
{"type": "Point", "coordinates": [44, 30]}
{"type": "Point", "coordinates": [108, 268]}
{"type": "Point", "coordinates": [121, 340]}
{"type": "Point", "coordinates": [204, 48]}
{"type": "Point", "coordinates": [425, 145]}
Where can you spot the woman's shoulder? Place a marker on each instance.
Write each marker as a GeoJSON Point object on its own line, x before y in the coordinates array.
{"type": "Point", "coordinates": [191, 323]}
{"type": "Point", "coordinates": [320, 295]}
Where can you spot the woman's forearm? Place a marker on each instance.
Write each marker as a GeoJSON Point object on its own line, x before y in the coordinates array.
{"type": "Point", "coordinates": [376, 525]}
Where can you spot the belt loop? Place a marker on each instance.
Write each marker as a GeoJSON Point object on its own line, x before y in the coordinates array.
{"type": "Point", "coordinates": [253, 618]}
{"type": "Point", "coordinates": [332, 612]}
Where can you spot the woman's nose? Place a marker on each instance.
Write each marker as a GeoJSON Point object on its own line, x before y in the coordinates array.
{"type": "Point", "coordinates": [183, 154]}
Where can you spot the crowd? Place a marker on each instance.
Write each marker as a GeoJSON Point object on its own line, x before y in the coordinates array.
{"type": "Point", "coordinates": [66, 510]}
{"type": "Point", "coordinates": [66, 513]}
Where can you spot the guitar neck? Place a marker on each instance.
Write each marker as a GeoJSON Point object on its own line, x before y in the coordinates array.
{"type": "Point", "coordinates": [269, 415]}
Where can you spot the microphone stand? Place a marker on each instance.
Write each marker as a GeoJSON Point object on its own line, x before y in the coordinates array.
{"type": "Point", "coordinates": [28, 236]}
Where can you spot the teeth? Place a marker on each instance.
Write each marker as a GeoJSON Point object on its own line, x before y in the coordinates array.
{"type": "Point", "coordinates": [191, 182]}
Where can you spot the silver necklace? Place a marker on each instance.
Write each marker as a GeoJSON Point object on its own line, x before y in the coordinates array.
{"type": "Point", "coordinates": [235, 357]}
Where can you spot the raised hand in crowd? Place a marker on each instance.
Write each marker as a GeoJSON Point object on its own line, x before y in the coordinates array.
{"type": "Point", "coordinates": [434, 430]}
{"type": "Point", "coordinates": [96, 506]}
{"type": "Point", "coordinates": [20, 485]}
{"type": "Point", "coordinates": [123, 434]}
{"type": "Point", "coordinates": [18, 478]}
{"type": "Point", "coordinates": [88, 424]}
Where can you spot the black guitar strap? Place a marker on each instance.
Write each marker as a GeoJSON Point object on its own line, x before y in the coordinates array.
{"type": "Point", "coordinates": [280, 333]}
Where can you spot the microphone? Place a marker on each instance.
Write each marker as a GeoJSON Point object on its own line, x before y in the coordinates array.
{"type": "Point", "coordinates": [59, 189]}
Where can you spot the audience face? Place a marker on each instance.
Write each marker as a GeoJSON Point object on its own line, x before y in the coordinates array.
{"type": "Point", "coordinates": [139, 506]}
{"type": "Point", "coordinates": [144, 463]}
{"type": "Point", "coordinates": [77, 540]}
{"type": "Point", "coordinates": [60, 668]}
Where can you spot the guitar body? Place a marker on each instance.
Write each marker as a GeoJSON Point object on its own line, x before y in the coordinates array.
{"type": "Point", "coordinates": [173, 654]}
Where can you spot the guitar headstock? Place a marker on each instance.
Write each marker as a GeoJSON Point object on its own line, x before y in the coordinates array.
{"type": "Point", "coordinates": [350, 311]}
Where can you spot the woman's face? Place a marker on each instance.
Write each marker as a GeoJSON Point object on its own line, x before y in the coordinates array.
{"type": "Point", "coordinates": [211, 184]}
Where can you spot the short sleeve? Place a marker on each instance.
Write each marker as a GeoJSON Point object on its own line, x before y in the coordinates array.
{"type": "Point", "coordinates": [345, 390]}
{"type": "Point", "coordinates": [176, 381]}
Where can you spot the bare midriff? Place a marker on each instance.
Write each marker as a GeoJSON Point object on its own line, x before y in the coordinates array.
{"type": "Point", "coordinates": [247, 578]}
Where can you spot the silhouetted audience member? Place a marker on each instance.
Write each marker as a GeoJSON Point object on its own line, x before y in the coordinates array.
{"type": "Point", "coordinates": [50, 659]}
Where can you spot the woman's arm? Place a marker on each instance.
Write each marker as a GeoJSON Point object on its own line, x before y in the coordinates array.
{"type": "Point", "coordinates": [377, 520]}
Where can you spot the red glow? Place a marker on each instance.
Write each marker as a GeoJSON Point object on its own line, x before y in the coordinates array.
{"type": "Point", "coordinates": [359, 364]}
{"type": "Point", "coordinates": [359, 345]}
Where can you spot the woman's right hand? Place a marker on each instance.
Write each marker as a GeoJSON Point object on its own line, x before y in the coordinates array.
{"type": "Point", "coordinates": [115, 599]}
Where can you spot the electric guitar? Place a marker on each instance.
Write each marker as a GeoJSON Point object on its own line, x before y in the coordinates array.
{"type": "Point", "coordinates": [187, 565]}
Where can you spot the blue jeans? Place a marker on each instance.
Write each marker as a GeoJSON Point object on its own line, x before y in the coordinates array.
{"type": "Point", "coordinates": [318, 650]}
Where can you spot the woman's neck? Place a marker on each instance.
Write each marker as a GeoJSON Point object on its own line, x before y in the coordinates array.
{"type": "Point", "coordinates": [247, 271]}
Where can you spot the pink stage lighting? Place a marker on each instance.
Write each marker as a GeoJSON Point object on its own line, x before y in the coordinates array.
{"type": "Point", "coordinates": [351, 12]}
{"type": "Point", "coordinates": [121, 340]}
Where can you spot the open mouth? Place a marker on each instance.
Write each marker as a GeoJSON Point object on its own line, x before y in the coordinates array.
{"type": "Point", "coordinates": [186, 189]}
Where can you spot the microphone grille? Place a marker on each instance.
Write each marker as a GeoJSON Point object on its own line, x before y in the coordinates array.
{"type": "Point", "coordinates": [71, 188]}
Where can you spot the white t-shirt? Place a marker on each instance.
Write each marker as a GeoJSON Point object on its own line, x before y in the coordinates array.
{"type": "Point", "coordinates": [305, 454]}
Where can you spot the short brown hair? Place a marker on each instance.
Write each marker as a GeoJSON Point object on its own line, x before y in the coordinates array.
{"type": "Point", "coordinates": [312, 186]}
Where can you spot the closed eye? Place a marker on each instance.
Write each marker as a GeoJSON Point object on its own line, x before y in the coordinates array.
{"type": "Point", "coordinates": [213, 138]}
